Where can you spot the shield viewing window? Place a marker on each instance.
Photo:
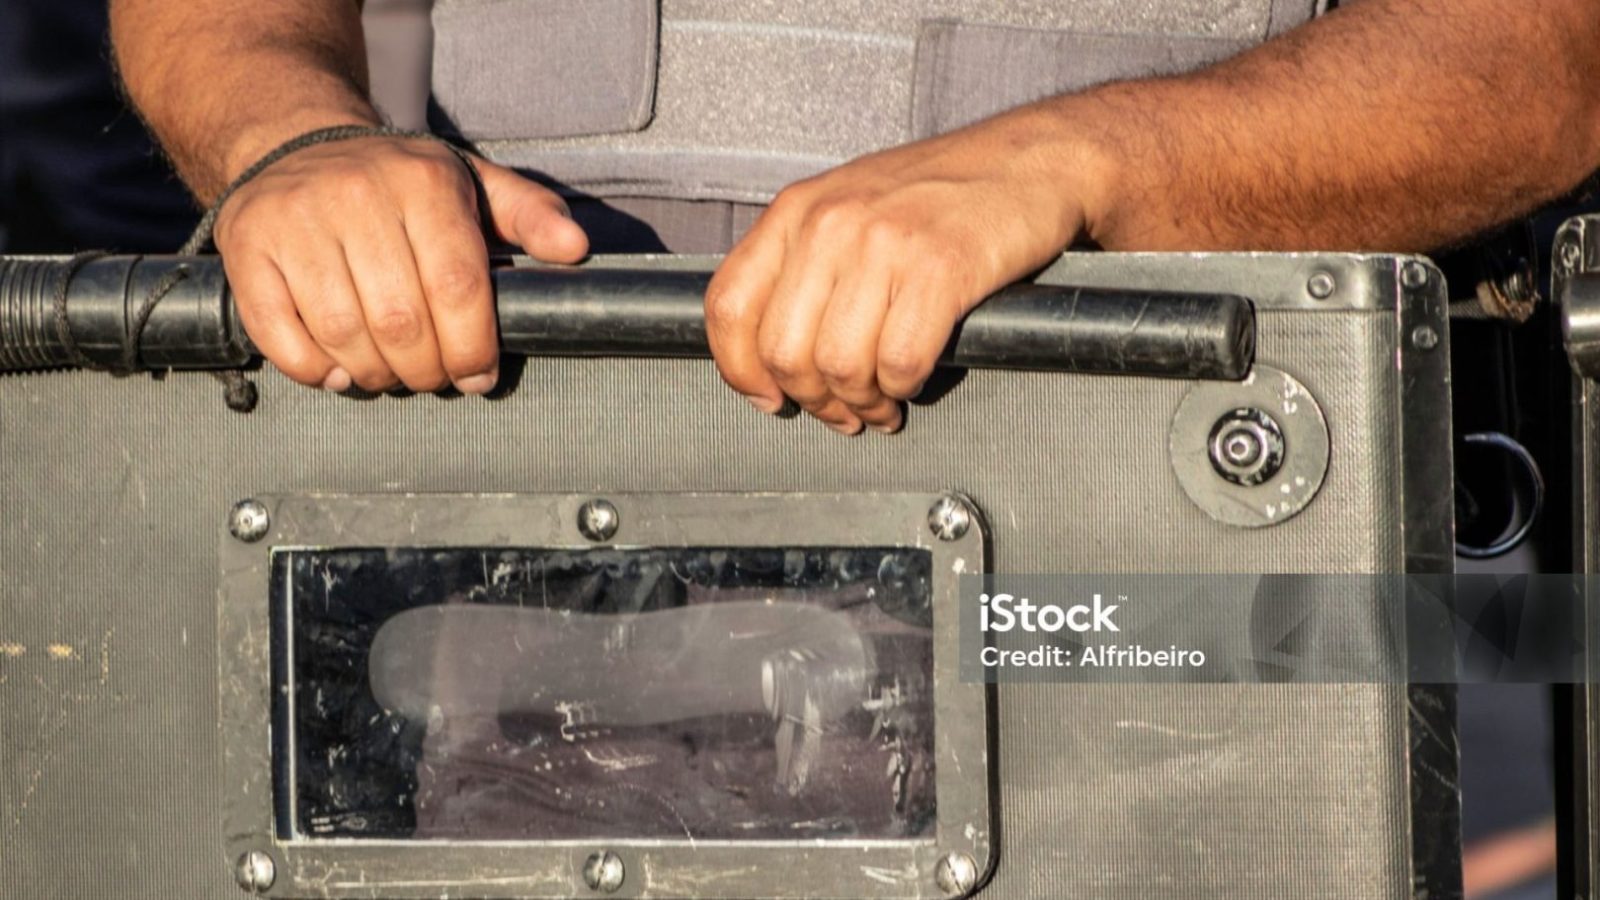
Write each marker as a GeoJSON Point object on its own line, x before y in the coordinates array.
{"type": "Point", "coordinates": [730, 691]}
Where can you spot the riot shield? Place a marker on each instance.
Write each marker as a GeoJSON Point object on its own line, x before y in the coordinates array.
{"type": "Point", "coordinates": [612, 633]}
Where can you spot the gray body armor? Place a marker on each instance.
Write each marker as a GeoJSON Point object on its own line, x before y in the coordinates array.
{"type": "Point", "coordinates": [687, 115]}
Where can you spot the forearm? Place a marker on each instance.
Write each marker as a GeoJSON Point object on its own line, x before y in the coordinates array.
{"type": "Point", "coordinates": [1390, 124]}
{"type": "Point", "coordinates": [222, 82]}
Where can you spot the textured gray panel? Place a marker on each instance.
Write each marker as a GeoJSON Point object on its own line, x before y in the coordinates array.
{"type": "Point", "coordinates": [967, 72]}
{"type": "Point", "coordinates": [1244, 19]}
{"type": "Point", "coordinates": [114, 491]}
{"type": "Point", "coordinates": [753, 96]}
{"type": "Point", "coordinates": [545, 68]}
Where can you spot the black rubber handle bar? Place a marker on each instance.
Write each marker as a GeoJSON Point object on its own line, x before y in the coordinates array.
{"type": "Point", "coordinates": [593, 311]}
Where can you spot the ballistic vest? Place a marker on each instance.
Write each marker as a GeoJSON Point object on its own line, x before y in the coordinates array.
{"type": "Point", "coordinates": [726, 101]}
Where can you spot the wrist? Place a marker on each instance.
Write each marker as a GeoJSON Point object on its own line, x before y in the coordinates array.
{"type": "Point", "coordinates": [1073, 161]}
{"type": "Point", "coordinates": [256, 139]}
{"type": "Point", "coordinates": [1089, 159]}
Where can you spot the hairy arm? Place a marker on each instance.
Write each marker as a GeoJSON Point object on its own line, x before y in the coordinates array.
{"type": "Point", "coordinates": [358, 263]}
{"type": "Point", "coordinates": [1388, 125]}
{"type": "Point", "coordinates": [221, 82]}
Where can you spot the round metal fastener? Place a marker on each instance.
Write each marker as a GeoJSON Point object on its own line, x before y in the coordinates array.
{"type": "Point", "coordinates": [255, 872]}
{"type": "Point", "coordinates": [598, 520]}
{"type": "Point", "coordinates": [956, 873]}
{"type": "Point", "coordinates": [248, 521]}
{"type": "Point", "coordinates": [1571, 255]}
{"type": "Point", "coordinates": [1246, 446]}
{"type": "Point", "coordinates": [1321, 286]}
{"type": "Point", "coordinates": [1414, 275]}
{"type": "Point", "coordinates": [604, 872]}
{"type": "Point", "coordinates": [1423, 337]}
{"type": "Point", "coordinates": [949, 518]}
{"type": "Point", "coordinates": [1250, 454]}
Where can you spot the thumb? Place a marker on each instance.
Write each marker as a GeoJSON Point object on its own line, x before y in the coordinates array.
{"type": "Point", "coordinates": [531, 216]}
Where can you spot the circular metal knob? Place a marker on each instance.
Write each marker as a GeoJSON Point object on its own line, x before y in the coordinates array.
{"type": "Point", "coordinates": [1246, 446]}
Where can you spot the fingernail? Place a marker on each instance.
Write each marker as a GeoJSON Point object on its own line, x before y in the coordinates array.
{"type": "Point", "coordinates": [848, 429]}
{"type": "Point", "coordinates": [479, 384]}
{"type": "Point", "coordinates": [337, 381]}
{"type": "Point", "coordinates": [887, 429]}
{"type": "Point", "coordinates": [765, 404]}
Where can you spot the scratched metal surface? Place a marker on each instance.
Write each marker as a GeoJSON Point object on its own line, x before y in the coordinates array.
{"type": "Point", "coordinates": [112, 493]}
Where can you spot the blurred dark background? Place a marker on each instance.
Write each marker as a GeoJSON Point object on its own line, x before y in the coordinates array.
{"type": "Point", "coordinates": [77, 169]}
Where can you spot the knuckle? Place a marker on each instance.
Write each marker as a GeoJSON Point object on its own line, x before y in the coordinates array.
{"type": "Point", "coordinates": [724, 307]}
{"type": "Point", "coordinates": [881, 233]}
{"type": "Point", "coordinates": [397, 325]}
{"type": "Point", "coordinates": [786, 361]}
{"type": "Point", "coordinates": [843, 367]}
{"type": "Point", "coordinates": [458, 284]}
{"type": "Point", "coordinates": [789, 201]}
{"type": "Point", "coordinates": [842, 215]}
{"type": "Point", "coordinates": [340, 329]}
{"type": "Point", "coordinates": [903, 363]}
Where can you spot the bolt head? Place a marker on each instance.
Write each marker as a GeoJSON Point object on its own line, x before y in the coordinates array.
{"type": "Point", "coordinates": [255, 872]}
{"type": "Point", "coordinates": [1414, 275]}
{"type": "Point", "coordinates": [604, 872]}
{"type": "Point", "coordinates": [248, 521]}
{"type": "Point", "coordinates": [1571, 255]}
{"type": "Point", "coordinates": [950, 518]}
{"type": "Point", "coordinates": [1246, 447]}
{"type": "Point", "coordinates": [1321, 286]}
{"type": "Point", "coordinates": [1242, 447]}
{"type": "Point", "coordinates": [956, 874]}
{"type": "Point", "coordinates": [598, 520]}
{"type": "Point", "coordinates": [1423, 337]}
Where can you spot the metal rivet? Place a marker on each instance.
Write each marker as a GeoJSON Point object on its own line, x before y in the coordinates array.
{"type": "Point", "coordinates": [949, 518]}
{"type": "Point", "coordinates": [1246, 446]}
{"type": "Point", "coordinates": [248, 521]}
{"type": "Point", "coordinates": [604, 872]}
{"type": "Point", "coordinates": [1321, 286]}
{"type": "Point", "coordinates": [1571, 255]}
{"type": "Point", "coordinates": [1414, 275]}
{"type": "Point", "coordinates": [956, 873]}
{"type": "Point", "coordinates": [598, 520]}
{"type": "Point", "coordinates": [255, 872]}
{"type": "Point", "coordinates": [1423, 337]}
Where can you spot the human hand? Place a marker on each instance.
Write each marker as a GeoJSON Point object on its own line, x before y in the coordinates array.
{"type": "Point", "coordinates": [847, 289]}
{"type": "Point", "coordinates": [363, 263]}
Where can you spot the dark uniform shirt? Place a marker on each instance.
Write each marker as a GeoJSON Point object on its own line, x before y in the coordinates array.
{"type": "Point", "coordinates": [77, 169]}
